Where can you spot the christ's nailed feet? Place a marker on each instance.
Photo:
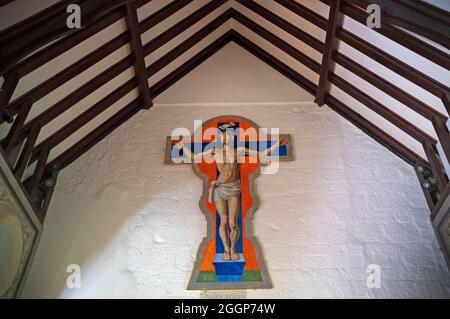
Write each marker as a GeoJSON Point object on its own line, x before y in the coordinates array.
{"type": "Point", "coordinates": [234, 255]}
{"type": "Point", "coordinates": [226, 255]}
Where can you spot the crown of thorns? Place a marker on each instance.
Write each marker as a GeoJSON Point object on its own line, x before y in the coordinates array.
{"type": "Point", "coordinates": [225, 126]}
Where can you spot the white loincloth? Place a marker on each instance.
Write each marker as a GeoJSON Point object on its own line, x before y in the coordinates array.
{"type": "Point", "coordinates": [218, 190]}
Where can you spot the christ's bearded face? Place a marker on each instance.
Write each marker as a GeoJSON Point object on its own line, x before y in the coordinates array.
{"type": "Point", "coordinates": [226, 138]}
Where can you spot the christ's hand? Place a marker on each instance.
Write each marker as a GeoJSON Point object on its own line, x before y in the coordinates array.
{"type": "Point", "coordinates": [179, 145]}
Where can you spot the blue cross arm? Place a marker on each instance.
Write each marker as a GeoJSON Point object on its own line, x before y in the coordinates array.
{"type": "Point", "coordinates": [266, 148]}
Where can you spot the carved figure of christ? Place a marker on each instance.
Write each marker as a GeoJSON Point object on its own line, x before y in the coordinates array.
{"type": "Point", "coordinates": [225, 192]}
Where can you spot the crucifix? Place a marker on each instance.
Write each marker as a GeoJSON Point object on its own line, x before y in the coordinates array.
{"type": "Point", "coordinates": [228, 153]}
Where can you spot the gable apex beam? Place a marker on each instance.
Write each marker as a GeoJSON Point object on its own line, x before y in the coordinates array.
{"type": "Point", "coordinates": [330, 42]}
{"type": "Point", "coordinates": [138, 53]}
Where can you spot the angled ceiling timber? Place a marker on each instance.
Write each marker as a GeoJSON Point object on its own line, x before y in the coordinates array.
{"type": "Point", "coordinates": [62, 97]}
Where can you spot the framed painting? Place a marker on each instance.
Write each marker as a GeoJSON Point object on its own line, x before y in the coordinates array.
{"type": "Point", "coordinates": [441, 225]}
{"type": "Point", "coordinates": [19, 233]}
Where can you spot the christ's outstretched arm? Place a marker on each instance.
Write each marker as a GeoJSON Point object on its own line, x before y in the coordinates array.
{"type": "Point", "coordinates": [198, 157]}
{"type": "Point", "coordinates": [267, 151]}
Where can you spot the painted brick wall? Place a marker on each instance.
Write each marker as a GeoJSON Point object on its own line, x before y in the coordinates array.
{"type": "Point", "coordinates": [134, 225]}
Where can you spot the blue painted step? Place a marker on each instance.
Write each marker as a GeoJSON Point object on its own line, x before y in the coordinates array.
{"type": "Point", "coordinates": [229, 270]}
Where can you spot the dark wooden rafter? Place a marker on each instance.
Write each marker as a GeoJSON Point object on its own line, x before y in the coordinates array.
{"type": "Point", "coordinates": [82, 146]}
{"type": "Point", "coordinates": [70, 128]}
{"type": "Point", "coordinates": [369, 128]}
{"type": "Point", "coordinates": [276, 64]}
{"type": "Point", "coordinates": [403, 69]}
{"type": "Point", "coordinates": [78, 94]}
{"type": "Point", "coordinates": [29, 132]}
{"type": "Point", "coordinates": [102, 105]}
{"type": "Point", "coordinates": [9, 85]}
{"type": "Point", "coordinates": [163, 14]}
{"type": "Point", "coordinates": [382, 57]}
{"type": "Point", "coordinates": [305, 13]}
{"type": "Point", "coordinates": [341, 83]}
{"type": "Point", "coordinates": [68, 73]}
{"type": "Point", "coordinates": [191, 64]}
{"type": "Point", "coordinates": [5, 2]}
{"type": "Point", "coordinates": [48, 192]}
{"type": "Point", "coordinates": [157, 89]}
{"type": "Point", "coordinates": [97, 135]}
{"type": "Point", "coordinates": [431, 23]}
{"type": "Point", "coordinates": [278, 42]}
{"type": "Point", "coordinates": [35, 180]}
{"type": "Point", "coordinates": [25, 155]}
{"type": "Point", "coordinates": [344, 85]}
{"type": "Point", "coordinates": [21, 106]}
{"type": "Point", "coordinates": [11, 139]}
{"type": "Point", "coordinates": [173, 54]}
{"type": "Point", "coordinates": [283, 24]}
{"type": "Point", "coordinates": [327, 57]}
{"type": "Point", "coordinates": [20, 40]}
{"type": "Point", "coordinates": [30, 64]}
{"type": "Point", "coordinates": [446, 100]}
{"type": "Point", "coordinates": [438, 119]}
{"type": "Point", "coordinates": [132, 108]}
{"type": "Point", "coordinates": [443, 135]}
{"type": "Point", "coordinates": [440, 203]}
{"type": "Point", "coordinates": [436, 166]}
{"type": "Point", "coordinates": [381, 110]}
{"type": "Point", "coordinates": [387, 87]}
{"type": "Point", "coordinates": [394, 33]}
{"type": "Point", "coordinates": [428, 9]}
{"type": "Point", "coordinates": [53, 50]}
{"type": "Point", "coordinates": [137, 50]}
{"type": "Point", "coordinates": [374, 131]}
{"type": "Point", "coordinates": [103, 51]}
{"type": "Point", "coordinates": [181, 26]}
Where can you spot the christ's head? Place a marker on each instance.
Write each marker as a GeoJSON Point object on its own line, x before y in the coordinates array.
{"type": "Point", "coordinates": [226, 138]}
{"type": "Point", "coordinates": [227, 133]}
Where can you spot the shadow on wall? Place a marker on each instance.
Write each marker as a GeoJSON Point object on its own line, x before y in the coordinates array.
{"type": "Point", "coordinates": [81, 234]}
{"type": "Point", "coordinates": [90, 222]}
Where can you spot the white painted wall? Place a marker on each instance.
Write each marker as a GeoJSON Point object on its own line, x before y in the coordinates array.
{"type": "Point", "coordinates": [134, 225]}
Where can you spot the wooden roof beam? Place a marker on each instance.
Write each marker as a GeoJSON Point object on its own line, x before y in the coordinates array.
{"type": "Point", "coordinates": [9, 85]}
{"type": "Point", "coordinates": [137, 50]}
{"type": "Point", "coordinates": [403, 69]}
{"type": "Point", "coordinates": [334, 20]}
{"type": "Point", "coordinates": [366, 126]}
{"type": "Point", "coordinates": [392, 32]}
{"type": "Point", "coordinates": [426, 21]}
{"type": "Point", "coordinates": [24, 38]}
